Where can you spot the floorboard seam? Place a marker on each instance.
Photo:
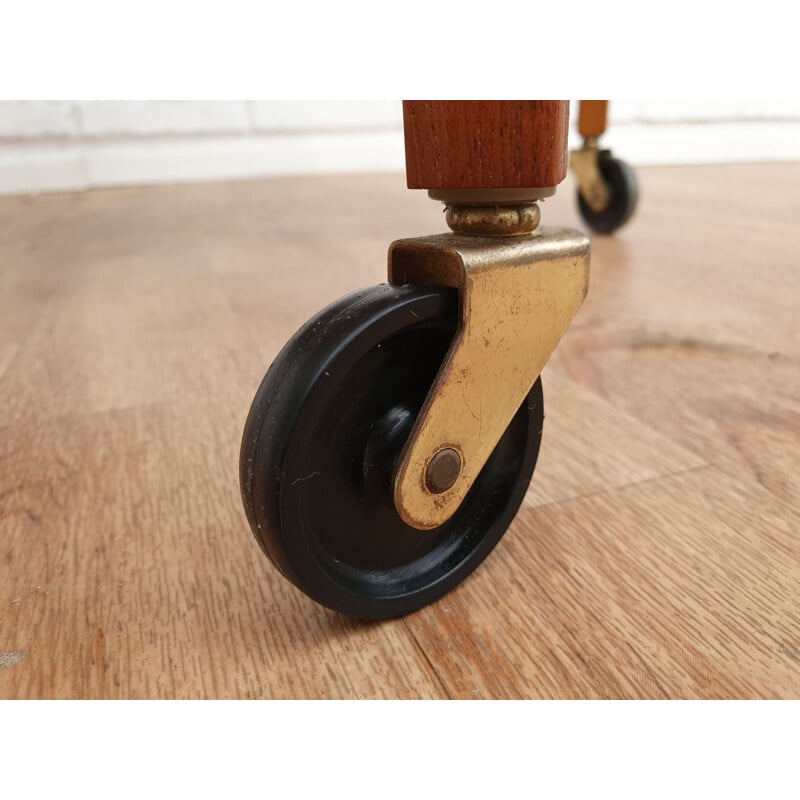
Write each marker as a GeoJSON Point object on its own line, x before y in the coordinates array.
{"type": "Point", "coordinates": [427, 660]}
{"type": "Point", "coordinates": [623, 486]}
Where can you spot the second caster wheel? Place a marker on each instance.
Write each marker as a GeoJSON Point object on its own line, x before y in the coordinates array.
{"type": "Point", "coordinates": [321, 442]}
{"type": "Point", "coordinates": [623, 195]}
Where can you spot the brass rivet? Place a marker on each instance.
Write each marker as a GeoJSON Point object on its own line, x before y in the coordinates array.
{"type": "Point", "coordinates": [443, 469]}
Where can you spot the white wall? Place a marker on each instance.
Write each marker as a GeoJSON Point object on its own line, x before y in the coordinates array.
{"type": "Point", "coordinates": [56, 146]}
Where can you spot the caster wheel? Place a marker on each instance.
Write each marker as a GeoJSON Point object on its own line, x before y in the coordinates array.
{"type": "Point", "coordinates": [321, 442]}
{"type": "Point", "coordinates": [623, 194]}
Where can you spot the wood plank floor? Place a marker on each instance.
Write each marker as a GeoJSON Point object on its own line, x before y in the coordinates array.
{"type": "Point", "coordinates": [658, 550]}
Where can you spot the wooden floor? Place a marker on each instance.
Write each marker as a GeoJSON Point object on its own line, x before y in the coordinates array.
{"type": "Point", "coordinates": [658, 551]}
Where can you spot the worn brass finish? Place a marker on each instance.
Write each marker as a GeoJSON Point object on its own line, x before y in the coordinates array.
{"type": "Point", "coordinates": [518, 296]}
{"type": "Point", "coordinates": [584, 164]}
{"type": "Point", "coordinates": [493, 220]}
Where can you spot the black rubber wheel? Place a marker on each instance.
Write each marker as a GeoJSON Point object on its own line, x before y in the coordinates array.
{"type": "Point", "coordinates": [322, 438]}
{"type": "Point", "coordinates": [623, 195]}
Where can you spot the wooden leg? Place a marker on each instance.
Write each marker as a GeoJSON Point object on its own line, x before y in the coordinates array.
{"type": "Point", "coordinates": [592, 118]}
{"type": "Point", "coordinates": [485, 144]}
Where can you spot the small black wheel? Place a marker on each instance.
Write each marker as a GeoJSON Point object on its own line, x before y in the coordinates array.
{"type": "Point", "coordinates": [323, 436]}
{"type": "Point", "coordinates": [623, 195]}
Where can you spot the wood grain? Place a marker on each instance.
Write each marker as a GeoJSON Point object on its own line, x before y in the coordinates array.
{"type": "Point", "coordinates": [485, 144]}
{"type": "Point", "coordinates": [656, 554]}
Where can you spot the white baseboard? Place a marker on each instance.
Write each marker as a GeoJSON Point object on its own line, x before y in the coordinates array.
{"type": "Point", "coordinates": [27, 167]}
{"type": "Point", "coordinates": [704, 143]}
{"type": "Point", "coordinates": [38, 167]}
{"type": "Point", "coordinates": [174, 160]}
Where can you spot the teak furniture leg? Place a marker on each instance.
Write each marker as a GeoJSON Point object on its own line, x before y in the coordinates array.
{"type": "Point", "coordinates": [485, 144]}
{"type": "Point", "coordinates": [592, 118]}
{"type": "Point", "coordinates": [393, 439]}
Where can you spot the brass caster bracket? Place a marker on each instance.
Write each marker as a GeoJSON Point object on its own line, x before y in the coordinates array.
{"type": "Point", "coordinates": [518, 294]}
{"type": "Point", "coordinates": [584, 163]}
